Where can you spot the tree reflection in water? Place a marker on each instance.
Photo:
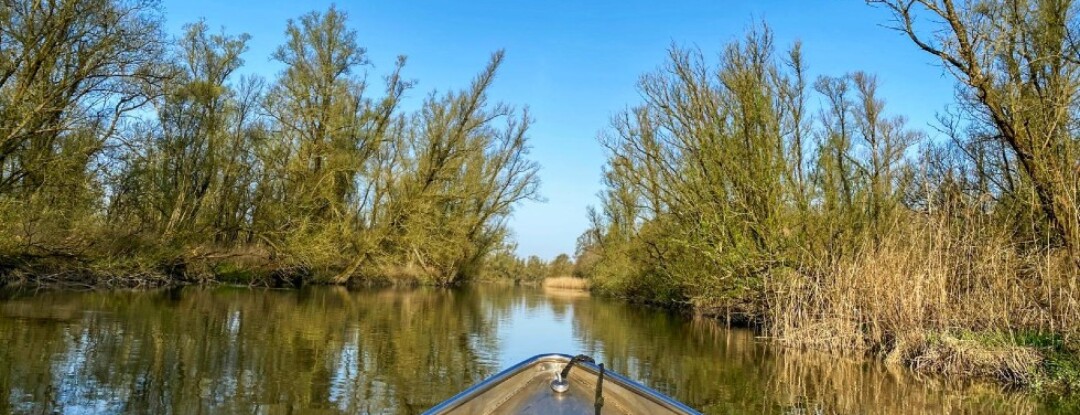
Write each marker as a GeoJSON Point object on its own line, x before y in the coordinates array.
{"type": "Point", "coordinates": [331, 350]}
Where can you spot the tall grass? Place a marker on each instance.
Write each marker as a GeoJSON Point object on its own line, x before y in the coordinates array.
{"type": "Point", "coordinates": [566, 282]}
{"type": "Point", "coordinates": [916, 295]}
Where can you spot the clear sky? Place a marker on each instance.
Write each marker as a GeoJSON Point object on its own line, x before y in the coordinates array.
{"type": "Point", "coordinates": [575, 63]}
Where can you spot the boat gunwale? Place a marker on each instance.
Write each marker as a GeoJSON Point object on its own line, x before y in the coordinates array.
{"type": "Point", "coordinates": [490, 382]}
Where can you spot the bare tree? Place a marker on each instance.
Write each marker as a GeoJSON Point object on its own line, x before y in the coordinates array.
{"type": "Point", "coordinates": [1018, 63]}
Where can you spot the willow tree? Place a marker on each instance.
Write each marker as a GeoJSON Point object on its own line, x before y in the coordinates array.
{"type": "Point", "coordinates": [189, 147]}
{"type": "Point", "coordinates": [705, 177]}
{"type": "Point", "coordinates": [317, 106]}
{"type": "Point", "coordinates": [466, 167]}
{"type": "Point", "coordinates": [722, 179]}
{"type": "Point", "coordinates": [862, 169]}
{"type": "Point", "coordinates": [1017, 63]}
{"type": "Point", "coordinates": [834, 173]}
{"type": "Point", "coordinates": [327, 130]}
{"type": "Point", "coordinates": [70, 73]}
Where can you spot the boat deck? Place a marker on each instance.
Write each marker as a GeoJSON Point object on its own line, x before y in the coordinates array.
{"type": "Point", "coordinates": [526, 389]}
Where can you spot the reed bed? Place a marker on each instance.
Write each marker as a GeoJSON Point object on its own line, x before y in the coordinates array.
{"type": "Point", "coordinates": [937, 298]}
{"type": "Point", "coordinates": [566, 282]}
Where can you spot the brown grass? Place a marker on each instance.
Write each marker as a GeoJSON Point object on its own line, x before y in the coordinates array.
{"type": "Point", "coordinates": [950, 355]}
{"type": "Point", "coordinates": [566, 282]}
{"type": "Point", "coordinates": [909, 295]}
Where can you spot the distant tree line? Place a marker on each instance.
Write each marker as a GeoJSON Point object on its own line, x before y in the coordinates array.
{"type": "Point", "coordinates": [505, 265]}
{"type": "Point", "coordinates": [123, 149]}
{"type": "Point", "coordinates": [747, 188]}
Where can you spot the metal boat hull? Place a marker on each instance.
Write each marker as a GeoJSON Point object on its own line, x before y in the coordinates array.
{"type": "Point", "coordinates": [525, 389]}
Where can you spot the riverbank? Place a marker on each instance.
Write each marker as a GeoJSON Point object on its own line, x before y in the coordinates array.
{"type": "Point", "coordinates": [862, 308]}
{"type": "Point", "coordinates": [944, 294]}
{"type": "Point", "coordinates": [245, 268]}
{"type": "Point", "coordinates": [1037, 361]}
{"type": "Point", "coordinates": [803, 204]}
{"type": "Point", "coordinates": [925, 299]}
{"type": "Point", "coordinates": [1042, 363]}
{"type": "Point", "coordinates": [939, 299]}
{"type": "Point", "coordinates": [257, 267]}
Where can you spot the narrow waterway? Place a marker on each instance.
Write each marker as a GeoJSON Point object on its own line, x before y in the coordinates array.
{"type": "Point", "coordinates": [332, 350]}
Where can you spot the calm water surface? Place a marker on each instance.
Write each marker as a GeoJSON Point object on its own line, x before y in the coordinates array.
{"type": "Point", "coordinates": [331, 351]}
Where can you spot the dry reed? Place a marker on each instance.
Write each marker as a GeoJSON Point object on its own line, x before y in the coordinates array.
{"type": "Point", "coordinates": [566, 282]}
{"type": "Point", "coordinates": [911, 297]}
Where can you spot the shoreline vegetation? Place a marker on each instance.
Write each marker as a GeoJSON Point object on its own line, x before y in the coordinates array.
{"type": "Point", "coordinates": [744, 189]}
{"type": "Point", "coordinates": [131, 158]}
{"type": "Point", "coordinates": [566, 282]}
{"type": "Point", "coordinates": [740, 188]}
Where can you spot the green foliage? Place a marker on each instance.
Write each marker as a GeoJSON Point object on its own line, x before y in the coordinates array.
{"type": "Point", "coordinates": [127, 145]}
{"type": "Point", "coordinates": [723, 186]}
{"type": "Point", "coordinates": [63, 100]}
{"type": "Point", "coordinates": [1061, 373]}
{"type": "Point", "coordinates": [504, 265]}
{"type": "Point", "coordinates": [842, 228]}
{"type": "Point", "coordinates": [714, 180]}
{"type": "Point", "coordinates": [561, 266]}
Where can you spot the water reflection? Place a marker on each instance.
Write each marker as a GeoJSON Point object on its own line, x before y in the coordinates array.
{"type": "Point", "coordinates": [329, 350]}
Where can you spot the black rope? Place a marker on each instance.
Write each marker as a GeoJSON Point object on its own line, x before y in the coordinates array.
{"type": "Point", "coordinates": [576, 359]}
{"type": "Point", "coordinates": [600, 390]}
{"type": "Point", "coordinates": [564, 377]}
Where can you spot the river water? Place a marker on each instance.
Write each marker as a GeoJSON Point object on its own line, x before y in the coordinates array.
{"type": "Point", "coordinates": [328, 350]}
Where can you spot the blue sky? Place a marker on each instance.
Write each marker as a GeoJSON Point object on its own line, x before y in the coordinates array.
{"type": "Point", "coordinates": [575, 63]}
